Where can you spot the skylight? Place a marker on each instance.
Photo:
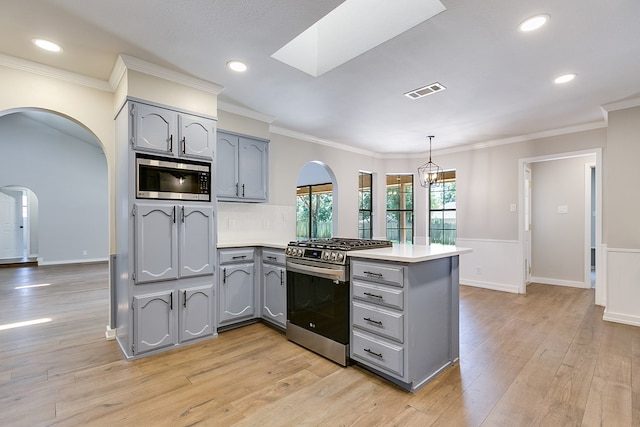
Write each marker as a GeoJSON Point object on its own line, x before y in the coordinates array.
{"type": "Point", "coordinates": [351, 29]}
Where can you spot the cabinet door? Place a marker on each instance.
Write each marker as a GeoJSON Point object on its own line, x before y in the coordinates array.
{"type": "Point", "coordinates": [196, 135]}
{"type": "Point", "coordinates": [153, 321]}
{"type": "Point", "coordinates": [153, 128]}
{"type": "Point", "coordinates": [236, 293]}
{"type": "Point", "coordinates": [227, 165]}
{"type": "Point", "coordinates": [155, 243]}
{"type": "Point", "coordinates": [253, 169]}
{"type": "Point", "coordinates": [196, 240]}
{"type": "Point", "coordinates": [274, 294]}
{"type": "Point", "coordinates": [196, 312]}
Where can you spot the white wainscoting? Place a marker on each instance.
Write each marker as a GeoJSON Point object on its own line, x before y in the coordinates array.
{"type": "Point", "coordinates": [493, 264]}
{"type": "Point", "coordinates": [623, 286]}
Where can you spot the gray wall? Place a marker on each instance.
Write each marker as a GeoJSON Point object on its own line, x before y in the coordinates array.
{"type": "Point", "coordinates": [69, 178]}
{"type": "Point", "coordinates": [558, 239]}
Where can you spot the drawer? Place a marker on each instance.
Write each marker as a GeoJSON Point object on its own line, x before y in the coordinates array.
{"type": "Point", "coordinates": [273, 256]}
{"type": "Point", "coordinates": [236, 255]}
{"type": "Point", "coordinates": [379, 321]}
{"type": "Point", "coordinates": [390, 274]}
{"type": "Point", "coordinates": [378, 353]}
{"type": "Point", "coordinates": [383, 295]}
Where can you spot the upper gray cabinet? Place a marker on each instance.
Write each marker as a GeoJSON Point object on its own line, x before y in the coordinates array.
{"type": "Point", "coordinates": [242, 168]}
{"type": "Point", "coordinates": [167, 132]}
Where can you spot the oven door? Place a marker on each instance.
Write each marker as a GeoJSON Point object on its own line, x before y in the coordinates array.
{"type": "Point", "coordinates": [318, 304]}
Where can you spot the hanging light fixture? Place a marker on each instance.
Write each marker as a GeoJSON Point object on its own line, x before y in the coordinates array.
{"type": "Point", "coordinates": [429, 173]}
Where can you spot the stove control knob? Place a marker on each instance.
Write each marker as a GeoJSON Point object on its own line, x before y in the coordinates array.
{"type": "Point", "coordinates": [299, 252]}
{"type": "Point", "coordinates": [333, 256]}
{"type": "Point", "coordinates": [325, 256]}
{"type": "Point", "coordinates": [288, 252]}
{"type": "Point", "coordinates": [340, 257]}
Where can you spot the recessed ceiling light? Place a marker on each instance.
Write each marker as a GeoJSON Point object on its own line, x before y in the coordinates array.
{"type": "Point", "coordinates": [47, 45]}
{"type": "Point", "coordinates": [565, 78]}
{"type": "Point", "coordinates": [533, 23]}
{"type": "Point", "coordinates": [237, 66]}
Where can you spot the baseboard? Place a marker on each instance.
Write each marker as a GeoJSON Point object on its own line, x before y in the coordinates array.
{"type": "Point", "coordinates": [489, 285]}
{"type": "Point", "coordinates": [72, 261]}
{"type": "Point", "coordinates": [621, 318]}
{"type": "Point", "coordinates": [110, 334]}
{"type": "Point", "coordinates": [559, 282]}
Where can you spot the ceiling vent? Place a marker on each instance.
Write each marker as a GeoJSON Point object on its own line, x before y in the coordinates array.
{"type": "Point", "coordinates": [425, 90]}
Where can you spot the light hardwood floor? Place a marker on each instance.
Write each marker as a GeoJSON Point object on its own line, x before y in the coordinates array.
{"type": "Point", "coordinates": [546, 358]}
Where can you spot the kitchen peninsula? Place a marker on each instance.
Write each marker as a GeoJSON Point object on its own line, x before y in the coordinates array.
{"type": "Point", "coordinates": [405, 311]}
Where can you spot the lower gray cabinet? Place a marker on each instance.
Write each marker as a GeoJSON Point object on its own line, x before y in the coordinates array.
{"type": "Point", "coordinates": [237, 286]}
{"type": "Point", "coordinates": [153, 322]}
{"type": "Point", "coordinates": [170, 317]}
{"type": "Point", "coordinates": [274, 287]}
{"type": "Point", "coordinates": [196, 313]}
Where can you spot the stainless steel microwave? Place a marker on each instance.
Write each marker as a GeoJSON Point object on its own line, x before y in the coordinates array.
{"type": "Point", "coordinates": [161, 178]}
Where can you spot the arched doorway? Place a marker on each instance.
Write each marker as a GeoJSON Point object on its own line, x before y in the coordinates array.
{"type": "Point", "coordinates": [316, 210]}
{"type": "Point", "coordinates": [18, 225]}
{"type": "Point", "coordinates": [63, 163]}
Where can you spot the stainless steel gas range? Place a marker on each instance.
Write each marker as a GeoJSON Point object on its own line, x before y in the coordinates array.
{"type": "Point", "coordinates": [318, 293]}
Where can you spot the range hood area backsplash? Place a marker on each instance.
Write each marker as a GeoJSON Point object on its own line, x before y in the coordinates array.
{"type": "Point", "coordinates": [255, 223]}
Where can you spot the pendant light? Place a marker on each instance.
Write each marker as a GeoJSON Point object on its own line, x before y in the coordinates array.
{"type": "Point", "coordinates": [429, 173]}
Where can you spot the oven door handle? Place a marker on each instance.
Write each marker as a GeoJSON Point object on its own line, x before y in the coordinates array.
{"type": "Point", "coordinates": [327, 273]}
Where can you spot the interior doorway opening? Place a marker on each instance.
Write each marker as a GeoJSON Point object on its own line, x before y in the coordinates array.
{"type": "Point", "coordinates": [18, 225]}
{"type": "Point", "coordinates": [557, 209]}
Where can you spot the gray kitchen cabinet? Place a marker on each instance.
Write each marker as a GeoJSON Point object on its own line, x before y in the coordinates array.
{"type": "Point", "coordinates": [274, 287]}
{"type": "Point", "coordinates": [237, 286]}
{"type": "Point", "coordinates": [154, 322]}
{"type": "Point", "coordinates": [196, 312]}
{"type": "Point", "coordinates": [405, 318]}
{"type": "Point", "coordinates": [155, 316]}
{"type": "Point", "coordinates": [242, 168]}
{"type": "Point", "coordinates": [172, 241]}
{"type": "Point", "coordinates": [166, 132]}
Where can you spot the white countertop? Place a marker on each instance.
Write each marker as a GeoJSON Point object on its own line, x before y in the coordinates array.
{"type": "Point", "coordinates": [276, 244]}
{"type": "Point", "coordinates": [410, 253]}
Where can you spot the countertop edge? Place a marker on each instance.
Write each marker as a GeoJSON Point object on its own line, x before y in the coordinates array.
{"type": "Point", "coordinates": [420, 256]}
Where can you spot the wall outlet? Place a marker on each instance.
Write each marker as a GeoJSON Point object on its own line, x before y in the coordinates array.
{"type": "Point", "coordinates": [84, 252]}
{"type": "Point", "coordinates": [478, 270]}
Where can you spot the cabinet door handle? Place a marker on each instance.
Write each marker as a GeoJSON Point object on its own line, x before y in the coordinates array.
{"type": "Point", "coordinates": [237, 194]}
{"type": "Point", "coordinates": [370, 273]}
{"type": "Point", "coordinates": [171, 301]}
{"type": "Point", "coordinates": [377, 322]}
{"type": "Point", "coordinates": [184, 144]}
{"type": "Point", "coordinates": [184, 301]}
{"type": "Point", "coordinates": [242, 190]}
{"type": "Point", "coordinates": [170, 142]}
{"type": "Point", "coordinates": [224, 275]}
{"type": "Point", "coordinates": [182, 213]}
{"type": "Point", "coordinates": [281, 277]}
{"type": "Point", "coordinates": [239, 257]}
{"type": "Point", "coordinates": [174, 214]}
{"type": "Point", "coordinates": [373, 295]}
{"type": "Point", "coordinates": [368, 350]}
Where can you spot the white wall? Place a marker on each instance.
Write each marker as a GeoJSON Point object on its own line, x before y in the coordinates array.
{"type": "Point", "coordinates": [69, 178]}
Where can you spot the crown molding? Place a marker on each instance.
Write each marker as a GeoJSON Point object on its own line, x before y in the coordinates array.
{"type": "Point", "coordinates": [327, 143]}
{"type": "Point", "coordinates": [126, 62]}
{"type": "Point", "coordinates": [619, 105]}
{"type": "Point", "coordinates": [243, 111]}
{"type": "Point", "coordinates": [54, 73]}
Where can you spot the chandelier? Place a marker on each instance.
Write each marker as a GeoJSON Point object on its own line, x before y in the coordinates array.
{"type": "Point", "coordinates": [429, 173]}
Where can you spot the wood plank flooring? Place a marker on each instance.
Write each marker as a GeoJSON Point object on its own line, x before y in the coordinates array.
{"type": "Point", "coordinates": [546, 358]}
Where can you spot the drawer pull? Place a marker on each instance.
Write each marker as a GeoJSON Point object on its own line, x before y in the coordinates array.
{"type": "Point", "coordinates": [377, 322]}
{"type": "Point", "coordinates": [370, 273]}
{"type": "Point", "coordinates": [368, 350]}
{"type": "Point", "coordinates": [373, 295]}
{"type": "Point", "coordinates": [239, 257]}
{"type": "Point", "coordinates": [271, 258]}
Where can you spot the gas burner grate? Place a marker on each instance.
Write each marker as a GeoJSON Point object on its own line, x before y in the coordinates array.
{"type": "Point", "coordinates": [346, 244]}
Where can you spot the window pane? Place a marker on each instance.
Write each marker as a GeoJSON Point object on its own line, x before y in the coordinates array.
{"type": "Point", "coordinates": [442, 210]}
{"type": "Point", "coordinates": [314, 211]}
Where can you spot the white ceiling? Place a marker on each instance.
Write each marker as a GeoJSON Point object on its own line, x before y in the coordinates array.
{"type": "Point", "coordinates": [498, 80]}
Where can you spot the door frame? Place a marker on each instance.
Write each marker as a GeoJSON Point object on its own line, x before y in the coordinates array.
{"type": "Point", "coordinates": [601, 285]}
